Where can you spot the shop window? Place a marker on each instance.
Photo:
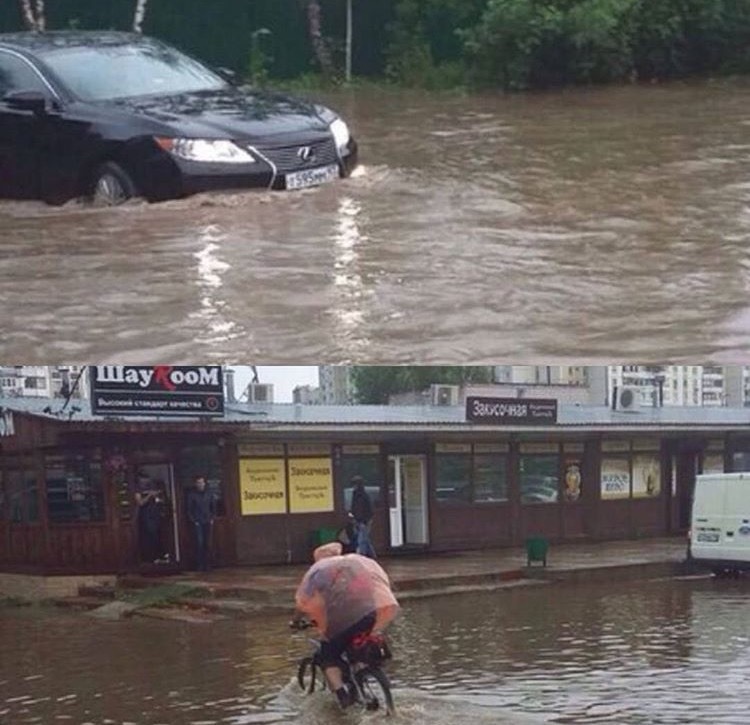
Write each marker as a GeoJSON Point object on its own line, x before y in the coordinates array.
{"type": "Point", "coordinates": [646, 475]}
{"type": "Point", "coordinates": [540, 478]}
{"type": "Point", "coordinates": [572, 479]}
{"type": "Point", "coordinates": [23, 502]}
{"type": "Point", "coordinates": [453, 477]}
{"type": "Point", "coordinates": [74, 489]}
{"type": "Point", "coordinates": [615, 477]}
{"type": "Point", "coordinates": [490, 477]}
{"type": "Point", "coordinates": [203, 461]}
{"type": "Point", "coordinates": [366, 466]}
{"type": "Point", "coordinates": [741, 461]}
{"type": "Point", "coordinates": [633, 473]}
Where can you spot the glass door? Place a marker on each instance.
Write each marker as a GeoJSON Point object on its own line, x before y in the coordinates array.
{"type": "Point", "coordinates": [160, 478]}
{"type": "Point", "coordinates": [407, 500]}
{"type": "Point", "coordinates": [395, 503]}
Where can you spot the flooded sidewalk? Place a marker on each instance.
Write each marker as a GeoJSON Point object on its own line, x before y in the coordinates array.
{"type": "Point", "coordinates": [246, 591]}
{"type": "Point", "coordinates": [431, 571]}
{"type": "Point", "coordinates": [236, 592]}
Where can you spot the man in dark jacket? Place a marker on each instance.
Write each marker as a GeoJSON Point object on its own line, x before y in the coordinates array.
{"type": "Point", "coordinates": [362, 512]}
{"type": "Point", "coordinates": [201, 512]}
{"type": "Point", "coordinates": [150, 502]}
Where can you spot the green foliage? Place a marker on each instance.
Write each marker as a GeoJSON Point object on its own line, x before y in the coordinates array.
{"type": "Point", "coordinates": [598, 34]}
{"type": "Point", "coordinates": [374, 383]}
{"type": "Point", "coordinates": [439, 44]}
{"type": "Point", "coordinates": [425, 48]}
{"type": "Point", "coordinates": [517, 42]}
{"type": "Point", "coordinates": [259, 60]}
{"type": "Point", "coordinates": [533, 43]}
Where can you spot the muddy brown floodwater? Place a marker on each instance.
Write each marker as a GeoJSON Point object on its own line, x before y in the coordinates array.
{"type": "Point", "coordinates": [651, 653]}
{"type": "Point", "coordinates": [579, 224]}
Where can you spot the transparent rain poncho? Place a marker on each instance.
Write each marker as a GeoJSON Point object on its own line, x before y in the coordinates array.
{"type": "Point", "coordinates": [338, 591]}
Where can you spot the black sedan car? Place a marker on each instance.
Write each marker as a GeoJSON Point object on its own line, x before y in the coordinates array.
{"type": "Point", "coordinates": [110, 116]}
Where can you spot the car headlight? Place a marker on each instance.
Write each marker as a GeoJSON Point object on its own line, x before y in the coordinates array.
{"type": "Point", "coordinates": [341, 135]}
{"type": "Point", "coordinates": [219, 151]}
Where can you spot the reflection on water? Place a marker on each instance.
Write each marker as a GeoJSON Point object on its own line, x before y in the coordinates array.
{"type": "Point", "coordinates": [570, 224]}
{"type": "Point", "coordinates": [657, 652]}
{"type": "Point", "coordinates": [218, 327]}
{"type": "Point", "coordinates": [352, 296]}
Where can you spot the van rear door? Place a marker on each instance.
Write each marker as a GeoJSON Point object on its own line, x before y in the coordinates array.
{"type": "Point", "coordinates": [708, 514]}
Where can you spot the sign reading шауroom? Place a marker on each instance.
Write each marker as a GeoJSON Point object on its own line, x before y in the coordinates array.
{"type": "Point", "coordinates": [511, 411]}
{"type": "Point", "coordinates": [168, 390]}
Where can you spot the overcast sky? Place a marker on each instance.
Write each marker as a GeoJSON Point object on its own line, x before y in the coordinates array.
{"type": "Point", "coordinates": [283, 377]}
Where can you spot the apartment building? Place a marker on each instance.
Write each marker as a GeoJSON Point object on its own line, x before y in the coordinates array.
{"type": "Point", "coordinates": [43, 381]}
{"type": "Point", "coordinates": [702, 385]}
{"type": "Point", "coordinates": [336, 385]}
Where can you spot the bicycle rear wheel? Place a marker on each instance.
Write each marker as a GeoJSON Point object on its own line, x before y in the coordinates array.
{"type": "Point", "coordinates": [309, 675]}
{"type": "Point", "coordinates": [376, 689]}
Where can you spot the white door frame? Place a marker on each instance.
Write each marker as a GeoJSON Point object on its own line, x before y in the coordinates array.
{"type": "Point", "coordinates": [395, 511]}
{"type": "Point", "coordinates": [409, 525]}
{"type": "Point", "coordinates": [171, 487]}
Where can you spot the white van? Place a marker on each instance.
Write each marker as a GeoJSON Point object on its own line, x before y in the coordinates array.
{"type": "Point", "coordinates": [720, 525]}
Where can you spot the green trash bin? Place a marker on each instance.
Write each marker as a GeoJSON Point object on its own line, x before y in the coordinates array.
{"type": "Point", "coordinates": [324, 535]}
{"type": "Point", "coordinates": [536, 550]}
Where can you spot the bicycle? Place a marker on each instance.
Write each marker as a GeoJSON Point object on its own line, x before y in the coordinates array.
{"type": "Point", "coordinates": [362, 670]}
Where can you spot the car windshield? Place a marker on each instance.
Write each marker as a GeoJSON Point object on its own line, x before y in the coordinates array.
{"type": "Point", "coordinates": [125, 71]}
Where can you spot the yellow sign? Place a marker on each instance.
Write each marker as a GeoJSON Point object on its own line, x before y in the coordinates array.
{"type": "Point", "coordinates": [262, 486]}
{"type": "Point", "coordinates": [310, 485]}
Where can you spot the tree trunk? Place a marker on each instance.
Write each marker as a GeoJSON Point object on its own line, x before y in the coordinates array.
{"type": "Point", "coordinates": [28, 15]}
{"type": "Point", "coordinates": [140, 14]}
{"type": "Point", "coordinates": [41, 20]}
{"type": "Point", "coordinates": [33, 15]}
{"type": "Point", "coordinates": [315, 23]}
{"type": "Point", "coordinates": [348, 41]}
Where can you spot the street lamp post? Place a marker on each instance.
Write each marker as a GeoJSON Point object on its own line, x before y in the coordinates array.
{"type": "Point", "coordinates": [349, 11]}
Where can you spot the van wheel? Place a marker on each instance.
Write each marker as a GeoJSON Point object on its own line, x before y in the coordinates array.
{"type": "Point", "coordinates": [111, 185]}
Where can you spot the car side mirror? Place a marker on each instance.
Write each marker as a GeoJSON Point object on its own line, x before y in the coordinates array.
{"type": "Point", "coordinates": [27, 101]}
{"type": "Point", "coordinates": [228, 75]}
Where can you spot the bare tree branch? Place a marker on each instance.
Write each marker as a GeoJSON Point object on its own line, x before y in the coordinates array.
{"type": "Point", "coordinates": [315, 24]}
{"type": "Point", "coordinates": [140, 14]}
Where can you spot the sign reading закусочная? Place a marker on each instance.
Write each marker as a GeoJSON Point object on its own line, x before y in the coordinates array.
{"type": "Point", "coordinates": [511, 411]}
{"type": "Point", "coordinates": [168, 390]}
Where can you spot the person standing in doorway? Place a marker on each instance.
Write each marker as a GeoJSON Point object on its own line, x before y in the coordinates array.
{"type": "Point", "coordinates": [362, 512]}
{"type": "Point", "coordinates": [150, 503]}
{"type": "Point", "coordinates": [201, 512]}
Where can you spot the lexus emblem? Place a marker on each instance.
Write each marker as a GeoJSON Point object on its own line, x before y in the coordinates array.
{"type": "Point", "coordinates": [306, 154]}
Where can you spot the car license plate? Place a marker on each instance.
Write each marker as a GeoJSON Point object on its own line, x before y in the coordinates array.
{"type": "Point", "coordinates": [709, 538]}
{"type": "Point", "coordinates": [312, 177]}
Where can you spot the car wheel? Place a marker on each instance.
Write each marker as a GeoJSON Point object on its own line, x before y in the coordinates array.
{"type": "Point", "coordinates": [111, 185]}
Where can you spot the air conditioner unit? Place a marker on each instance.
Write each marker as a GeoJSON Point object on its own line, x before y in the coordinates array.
{"type": "Point", "coordinates": [627, 399]}
{"type": "Point", "coordinates": [260, 393]}
{"type": "Point", "coordinates": [444, 394]}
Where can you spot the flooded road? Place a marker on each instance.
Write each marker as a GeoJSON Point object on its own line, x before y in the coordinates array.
{"type": "Point", "coordinates": [655, 652]}
{"type": "Point", "coordinates": [574, 224]}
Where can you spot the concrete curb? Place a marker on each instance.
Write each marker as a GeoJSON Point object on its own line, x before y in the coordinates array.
{"type": "Point", "coordinates": [608, 574]}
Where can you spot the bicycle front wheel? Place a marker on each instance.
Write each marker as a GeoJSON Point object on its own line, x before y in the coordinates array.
{"type": "Point", "coordinates": [376, 689]}
{"type": "Point", "coordinates": [309, 675]}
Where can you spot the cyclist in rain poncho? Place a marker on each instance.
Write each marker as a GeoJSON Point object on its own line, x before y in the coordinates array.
{"type": "Point", "coordinates": [345, 596]}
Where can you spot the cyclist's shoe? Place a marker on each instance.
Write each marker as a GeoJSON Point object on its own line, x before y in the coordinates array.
{"type": "Point", "coordinates": [344, 697]}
